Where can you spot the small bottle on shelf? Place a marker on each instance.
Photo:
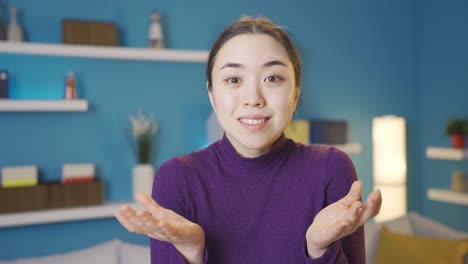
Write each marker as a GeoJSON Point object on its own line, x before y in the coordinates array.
{"type": "Point", "coordinates": [70, 86]}
{"type": "Point", "coordinates": [155, 34]}
{"type": "Point", "coordinates": [15, 32]}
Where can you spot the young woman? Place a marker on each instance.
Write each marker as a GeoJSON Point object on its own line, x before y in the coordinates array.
{"type": "Point", "coordinates": [254, 196]}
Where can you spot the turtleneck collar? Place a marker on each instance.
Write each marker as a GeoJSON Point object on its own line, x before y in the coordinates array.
{"type": "Point", "coordinates": [230, 157]}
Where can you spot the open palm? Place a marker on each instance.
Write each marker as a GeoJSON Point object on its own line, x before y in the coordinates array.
{"type": "Point", "coordinates": [342, 217]}
{"type": "Point", "coordinates": [163, 224]}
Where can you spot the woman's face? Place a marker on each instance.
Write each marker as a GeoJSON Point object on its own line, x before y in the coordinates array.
{"type": "Point", "coordinates": [253, 92]}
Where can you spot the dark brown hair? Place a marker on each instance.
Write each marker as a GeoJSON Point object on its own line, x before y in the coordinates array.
{"type": "Point", "coordinates": [250, 25]}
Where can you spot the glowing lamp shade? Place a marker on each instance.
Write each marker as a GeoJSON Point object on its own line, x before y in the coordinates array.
{"type": "Point", "coordinates": [389, 158]}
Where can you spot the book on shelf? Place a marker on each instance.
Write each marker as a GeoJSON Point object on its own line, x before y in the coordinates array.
{"type": "Point", "coordinates": [330, 132]}
{"type": "Point", "coordinates": [19, 176]}
{"type": "Point", "coordinates": [299, 131]}
{"type": "Point", "coordinates": [78, 172]}
{"type": "Point", "coordinates": [81, 179]}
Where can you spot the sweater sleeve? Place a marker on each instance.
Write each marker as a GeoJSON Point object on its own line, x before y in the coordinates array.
{"type": "Point", "coordinates": [169, 191]}
{"type": "Point", "coordinates": [341, 175]}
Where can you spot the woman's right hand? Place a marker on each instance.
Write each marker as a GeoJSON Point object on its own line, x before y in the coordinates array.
{"type": "Point", "coordinates": [165, 225]}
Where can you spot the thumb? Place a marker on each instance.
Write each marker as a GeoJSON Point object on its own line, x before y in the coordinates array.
{"type": "Point", "coordinates": [354, 194]}
{"type": "Point", "coordinates": [148, 203]}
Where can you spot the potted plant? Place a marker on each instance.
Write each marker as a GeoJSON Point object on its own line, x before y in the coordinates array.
{"type": "Point", "coordinates": [144, 129]}
{"type": "Point", "coordinates": [457, 128]}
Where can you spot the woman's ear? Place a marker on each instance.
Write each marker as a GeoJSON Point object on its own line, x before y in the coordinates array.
{"type": "Point", "coordinates": [210, 95]}
{"type": "Point", "coordinates": [296, 98]}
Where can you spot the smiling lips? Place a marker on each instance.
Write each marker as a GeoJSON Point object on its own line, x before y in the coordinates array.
{"type": "Point", "coordinates": [254, 122]}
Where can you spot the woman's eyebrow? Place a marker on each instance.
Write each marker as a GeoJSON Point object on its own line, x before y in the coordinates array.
{"type": "Point", "coordinates": [273, 63]}
{"type": "Point", "coordinates": [267, 64]}
{"type": "Point", "coordinates": [232, 65]}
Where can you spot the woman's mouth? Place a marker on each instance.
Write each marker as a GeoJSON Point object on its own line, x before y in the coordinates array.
{"type": "Point", "coordinates": [254, 123]}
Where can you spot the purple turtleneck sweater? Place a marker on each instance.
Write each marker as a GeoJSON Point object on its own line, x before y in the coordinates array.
{"type": "Point", "coordinates": [256, 210]}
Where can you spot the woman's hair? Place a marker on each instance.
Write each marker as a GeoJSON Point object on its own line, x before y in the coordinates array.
{"type": "Point", "coordinates": [249, 25]}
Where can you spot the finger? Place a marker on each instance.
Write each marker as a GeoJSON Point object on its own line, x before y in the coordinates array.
{"type": "Point", "coordinates": [377, 198]}
{"type": "Point", "coordinates": [151, 225]}
{"type": "Point", "coordinates": [371, 207]}
{"type": "Point", "coordinates": [378, 202]}
{"type": "Point", "coordinates": [124, 221]}
{"type": "Point", "coordinates": [352, 216]}
{"type": "Point", "coordinates": [353, 195]}
{"type": "Point", "coordinates": [127, 210]}
{"type": "Point", "coordinates": [133, 218]}
{"type": "Point", "coordinates": [151, 205]}
{"type": "Point", "coordinates": [148, 220]}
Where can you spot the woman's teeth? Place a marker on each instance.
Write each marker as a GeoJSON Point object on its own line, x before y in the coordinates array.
{"type": "Point", "coordinates": [253, 121]}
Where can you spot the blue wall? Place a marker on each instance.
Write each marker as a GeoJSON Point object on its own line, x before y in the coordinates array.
{"type": "Point", "coordinates": [444, 90]}
{"type": "Point", "coordinates": [360, 61]}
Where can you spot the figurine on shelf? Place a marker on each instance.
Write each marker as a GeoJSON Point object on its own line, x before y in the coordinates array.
{"type": "Point", "coordinates": [458, 182]}
{"type": "Point", "coordinates": [3, 33]}
{"type": "Point", "coordinates": [3, 84]}
{"type": "Point", "coordinates": [155, 34]}
{"type": "Point", "coordinates": [70, 86]}
{"type": "Point", "coordinates": [15, 32]}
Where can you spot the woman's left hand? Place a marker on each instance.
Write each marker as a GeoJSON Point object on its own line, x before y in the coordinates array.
{"type": "Point", "coordinates": [341, 219]}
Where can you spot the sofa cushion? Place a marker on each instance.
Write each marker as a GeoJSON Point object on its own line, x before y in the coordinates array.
{"type": "Point", "coordinates": [395, 247]}
{"type": "Point", "coordinates": [424, 226]}
{"type": "Point", "coordinates": [372, 231]}
{"type": "Point", "coordinates": [133, 253]}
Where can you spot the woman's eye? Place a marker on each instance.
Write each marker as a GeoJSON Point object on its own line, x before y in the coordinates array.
{"type": "Point", "coordinates": [273, 78]}
{"type": "Point", "coordinates": [233, 80]}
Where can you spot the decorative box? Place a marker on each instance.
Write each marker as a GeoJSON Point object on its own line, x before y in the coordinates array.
{"type": "Point", "coordinates": [51, 195]}
{"type": "Point", "coordinates": [89, 32]}
{"type": "Point", "coordinates": [299, 131]}
{"type": "Point", "coordinates": [328, 132]}
{"type": "Point", "coordinates": [24, 198]}
{"type": "Point", "coordinates": [76, 194]}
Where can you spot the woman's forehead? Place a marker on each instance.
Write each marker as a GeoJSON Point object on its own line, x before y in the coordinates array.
{"type": "Point", "coordinates": [251, 49]}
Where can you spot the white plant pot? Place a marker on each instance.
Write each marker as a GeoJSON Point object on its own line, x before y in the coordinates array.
{"type": "Point", "coordinates": [142, 179]}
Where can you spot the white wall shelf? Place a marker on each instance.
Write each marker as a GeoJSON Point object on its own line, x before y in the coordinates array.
{"type": "Point", "coordinates": [447, 196]}
{"type": "Point", "coordinates": [446, 153]}
{"type": "Point", "coordinates": [46, 216]}
{"type": "Point", "coordinates": [12, 105]}
{"type": "Point", "coordinates": [350, 148]}
{"type": "Point", "coordinates": [103, 52]}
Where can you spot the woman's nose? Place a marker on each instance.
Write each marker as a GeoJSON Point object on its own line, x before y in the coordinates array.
{"type": "Point", "coordinates": [253, 96]}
